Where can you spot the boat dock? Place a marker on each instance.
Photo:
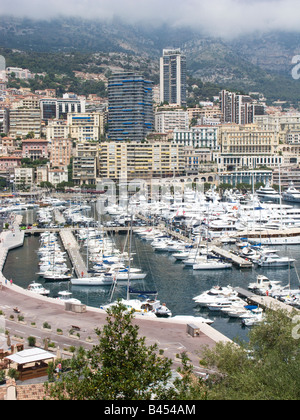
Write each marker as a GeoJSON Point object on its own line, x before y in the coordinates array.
{"type": "Point", "coordinates": [10, 239]}
{"type": "Point", "coordinates": [235, 259]}
{"type": "Point", "coordinates": [72, 248]}
{"type": "Point", "coordinates": [266, 302]}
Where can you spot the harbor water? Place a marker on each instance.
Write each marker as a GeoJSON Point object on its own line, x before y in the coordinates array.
{"type": "Point", "coordinates": [176, 284]}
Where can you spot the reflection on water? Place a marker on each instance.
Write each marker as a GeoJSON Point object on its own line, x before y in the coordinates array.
{"type": "Point", "coordinates": [176, 284]}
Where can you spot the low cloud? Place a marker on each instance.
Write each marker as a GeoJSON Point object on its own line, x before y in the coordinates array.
{"type": "Point", "coordinates": [225, 18]}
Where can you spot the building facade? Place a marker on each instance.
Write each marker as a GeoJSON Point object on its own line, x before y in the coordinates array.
{"type": "Point", "coordinates": [170, 120]}
{"type": "Point", "coordinates": [60, 152]}
{"type": "Point", "coordinates": [24, 121]}
{"type": "Point", "coordinates": [35, 149]}
{"type": "Point", "coordinates": [86, 126]}
{"type": "Point", "coordinates": [173, 77]}
{"type": "Point", "coordinates": [133, 160]}
{"type": "Point", "coordinates": [130, 107]}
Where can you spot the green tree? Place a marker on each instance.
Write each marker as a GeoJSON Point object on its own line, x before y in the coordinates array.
{"type": "Point", "coordinates": [265, 368]}
{"type": "Point", "coordinates": [121, 366]}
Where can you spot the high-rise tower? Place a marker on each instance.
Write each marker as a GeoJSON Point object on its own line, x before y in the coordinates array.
{"type": "Point", "coordinates": [173, 77]}
{"type": "Point", "coordinates": [130, 107]}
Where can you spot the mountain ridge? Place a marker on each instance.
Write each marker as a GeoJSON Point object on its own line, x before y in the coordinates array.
{"type": "Point", "coordinates": [261, 62]}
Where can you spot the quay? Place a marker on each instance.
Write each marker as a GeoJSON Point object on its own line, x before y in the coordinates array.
{"type": "Point", "coordinates": [265, 302]}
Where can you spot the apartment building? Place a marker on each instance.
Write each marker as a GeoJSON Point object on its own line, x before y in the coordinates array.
{"type": "Point", "coordinates": [9, 163]}
{"type": "Point", "coordinates": [58, 108]}
{"type": "Point", "coordinates": [60, 152]}
{"type": "Point", "coordinates": [35, 149]}
{"type": "Point", "coordinates": [198, 136]}
{"type": "Point", "coordinates": [211, 113]}
{"type": "Point", "coordinates": [57, 176]}
{"type": "Point", "coordinates": [86, 163]}
{"type": "Point", "coordinates": [239, 109]}
{"type": "Point", "coordinates": [23, 121]}
{"type": "Point", "coordinates": [130, 160]}
{"type": "Point", "coordinates": [24, 177]}
{"type": "Point", "coordinates": [86, 126]}
{"type": "Point", "coordinates": [57, 129]}
{"type": "Point", "coordinates": [130, 107]}
{"type": "Point", "coordinates": [4, 122]}
{"type": "Point", "coordinates": [173, 77]}
{"type": "Point", "coordinates": [169, 120]}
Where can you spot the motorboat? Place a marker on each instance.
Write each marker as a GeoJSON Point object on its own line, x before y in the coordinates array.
{"type": "Point", "coordinates": [211, 265]}
{"type": "Point", "coordinates": [55, 275]}
{"type": "Point", "coordinates": [38, 289]}
{"type": "Point", "coordinates": [273, 260]}
{"type": "Point", "coordinates": [263, 285]}
{"type": "Point", "coordinates": [92, 281]}
{"type": "Point", "coordinates": [144, 306]}
{"type": "Point", "coordinates": [291, 194]}
{"type": "Point", "coordinates": [65, 296]}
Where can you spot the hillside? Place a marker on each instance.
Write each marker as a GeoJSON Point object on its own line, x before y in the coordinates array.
{"type": "Point", "coordinates": [253, 63]}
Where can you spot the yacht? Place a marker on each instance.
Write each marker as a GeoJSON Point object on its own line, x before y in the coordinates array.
{"type": "Point", "coordinates": [291, 194]}
{"type": "Point", "coordinates": [211, 265]}
{"type": "Point", "coordinates": [273, 260]}
{"type": "Point", "coordinates": [65, 296]}
{"type": "Point", "coordinates": [38, 288]}
{"type": "Point", "coordinates": [144, 306]}
{"type": "Point", "coordinates": [263, 285]}
{"type": "Point", "coordinates": [93, 281]}
{"type": "Point", "coordinates": [268, 192]}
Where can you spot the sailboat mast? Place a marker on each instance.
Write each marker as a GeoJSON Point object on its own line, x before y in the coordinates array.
{"type": "Point", "coordinates": [129, 265]}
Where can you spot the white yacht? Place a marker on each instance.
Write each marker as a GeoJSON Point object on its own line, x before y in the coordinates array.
{"type": "Point", "coordinates": [267, 192]}
{"type": "Point", "coordinates": [211, 265]}
{"type": "Point", "coordinates": [65, 296]}
{"type": "Point", "coordinates": [38, 289]}
{"type": "Point", "coordinates": [291, 194]}
{"type": "Point", "coordinates": [92, 281]}
{"type": "Point", "coordinates": [273, 260]}
{"type": "Point", "coordinates": [144, 306]}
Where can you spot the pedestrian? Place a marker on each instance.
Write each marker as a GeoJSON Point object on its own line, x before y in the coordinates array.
{"type": "Point", "coordinates": [11, 282]}
{"type": "Point", "coordinates": [5, 282]}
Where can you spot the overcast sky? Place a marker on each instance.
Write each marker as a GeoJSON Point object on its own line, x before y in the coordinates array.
{"type": "Point", "coordinates": [216, 17]}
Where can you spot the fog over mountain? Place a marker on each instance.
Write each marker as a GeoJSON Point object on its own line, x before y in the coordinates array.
{"type": "Point", "coordinates": [221, 18]}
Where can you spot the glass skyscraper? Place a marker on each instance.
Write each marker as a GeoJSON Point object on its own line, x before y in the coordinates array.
{"type": "Point", "coordinates": [130, 107]}
{"type": "Point", "coordinates": [173, 77]}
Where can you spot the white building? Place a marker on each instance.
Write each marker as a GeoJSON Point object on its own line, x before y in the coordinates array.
{"type": "Point", "coordinates": [24, 176]}
{"type": "Point", "coordinates": [198, 136]}
{"type": "Point", "coordinates": [57, 176]}
{"type": "Point", "coordinates": [170, 120]}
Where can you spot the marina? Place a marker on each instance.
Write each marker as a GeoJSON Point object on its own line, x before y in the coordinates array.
{"type": "Point", "coordinates": [163, 271]}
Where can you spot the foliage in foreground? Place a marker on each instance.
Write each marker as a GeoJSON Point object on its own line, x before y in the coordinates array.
{"type": "Point", "coordinates": [121, 366]}
{"type": "Point", "coordinates": [265, 368]}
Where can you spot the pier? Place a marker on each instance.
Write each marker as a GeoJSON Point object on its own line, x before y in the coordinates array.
{"type": "Point", "coordinates": [239, 261]}
{"type": "Point", "coordinates": [72, 248]}
{"type": "Point", "coordinates": [265, 302]}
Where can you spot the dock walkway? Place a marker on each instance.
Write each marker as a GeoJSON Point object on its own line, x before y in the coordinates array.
{"type": "Point", "coordinates": [266, 302]}
{"type": "Point", "coordinates": [239, 261]}
{"type": "Point", "coordinates": [72, 248]}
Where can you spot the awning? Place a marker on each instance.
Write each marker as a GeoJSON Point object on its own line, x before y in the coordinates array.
{"type": "Point", "coordinates": [30, 356]}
